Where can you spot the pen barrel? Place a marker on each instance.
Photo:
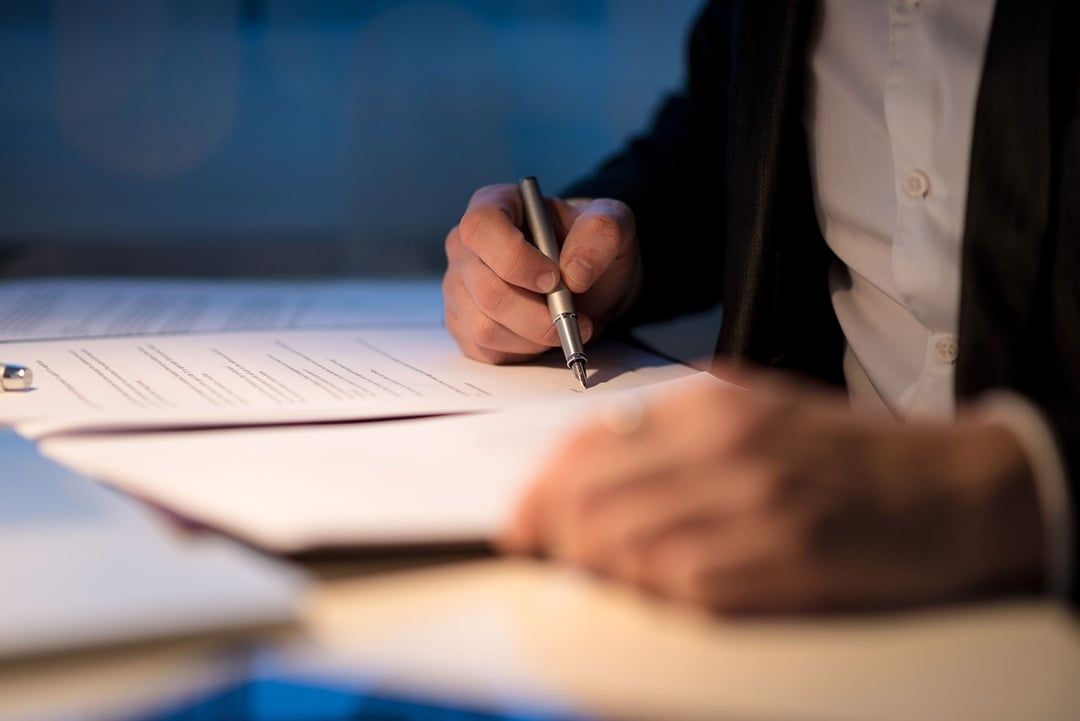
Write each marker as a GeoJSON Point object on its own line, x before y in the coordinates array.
{"type": "Point", "coordinates": [537, 219]}
{"type": "Point", "coordinates": [570, 338]}
{"type": "Point", "coordinates": [560, 301]}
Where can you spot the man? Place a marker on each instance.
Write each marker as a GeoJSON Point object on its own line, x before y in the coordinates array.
{"type": "Point", "coordinates": [884, 194]}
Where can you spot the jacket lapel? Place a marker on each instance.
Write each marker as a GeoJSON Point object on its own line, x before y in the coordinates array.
{"type": "Point", "coordinates": [1008, 215]}
{"type": "Point", "coordinates": [775, 284]}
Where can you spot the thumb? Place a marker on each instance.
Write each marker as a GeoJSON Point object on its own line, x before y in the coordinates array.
{"type": "Point", "coordinates": [602, 231]}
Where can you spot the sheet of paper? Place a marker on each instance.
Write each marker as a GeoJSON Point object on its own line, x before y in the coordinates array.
{"type": "Point", "coordinates": [425, 481]}
{"type": "Point", "coordinates": [293, 376]}
{"type": "Point", "coordinates": [89, 308]}
{"type": "Point", "coordinates": [86, 567]}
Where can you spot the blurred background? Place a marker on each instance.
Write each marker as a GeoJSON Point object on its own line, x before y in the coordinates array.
{"type": "Point", "coordinates": [302, 137]}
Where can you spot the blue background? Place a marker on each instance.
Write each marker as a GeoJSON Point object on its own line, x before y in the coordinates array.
{"type": "Point", "coordinates": [364, 124]}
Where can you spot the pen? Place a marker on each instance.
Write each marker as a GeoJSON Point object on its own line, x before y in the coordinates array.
{"type": "Point", "coordinates": [15, 378]}
{"type": "Point", "coordinates": [559, 301]}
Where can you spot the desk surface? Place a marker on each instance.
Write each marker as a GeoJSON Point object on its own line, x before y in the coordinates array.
{"type": "Point", "coordinates": [499, 633]}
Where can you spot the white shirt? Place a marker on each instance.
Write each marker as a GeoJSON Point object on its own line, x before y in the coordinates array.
{"type": "Point", "coordinates": [891, 108]}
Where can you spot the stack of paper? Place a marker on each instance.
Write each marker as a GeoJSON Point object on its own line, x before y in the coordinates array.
{"type": "Point", "coordinates": [84, 567]}
{"type": "Point", "coordinates": [224, 379]}
{"type": "Point", "coordinates": [435, 480]}
{"type": "Point", "coordinates": [111, 307]}
{"type": "Point", "coordinates": [447, 480]}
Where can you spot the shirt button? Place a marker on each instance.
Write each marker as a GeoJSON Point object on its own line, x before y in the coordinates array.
{"type": "Point", "coordinates": [917, 184]}
{"type": "Point", "coordinates": [946, 349]}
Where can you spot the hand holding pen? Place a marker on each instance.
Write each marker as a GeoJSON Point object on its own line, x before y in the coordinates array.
{"type": "Point", "coordinates": [497, 281]}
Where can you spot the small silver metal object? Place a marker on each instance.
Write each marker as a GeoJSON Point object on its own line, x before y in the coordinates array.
{"type": "Point", "coordinates": [15, 377]}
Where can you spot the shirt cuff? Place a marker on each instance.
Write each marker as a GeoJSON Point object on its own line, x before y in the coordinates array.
{"type": "Point", "coordinates": [1037, 440]}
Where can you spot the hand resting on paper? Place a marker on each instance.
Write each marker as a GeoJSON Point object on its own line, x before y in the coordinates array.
{"type": "Point", "coordinates": [781, 500]}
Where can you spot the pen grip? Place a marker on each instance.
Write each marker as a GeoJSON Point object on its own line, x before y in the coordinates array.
{"type": "Point", "coordinates": [560, 301]}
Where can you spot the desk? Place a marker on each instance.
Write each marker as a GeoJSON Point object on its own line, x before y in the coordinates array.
{"type": "Point", "coordinates": [498, 633]}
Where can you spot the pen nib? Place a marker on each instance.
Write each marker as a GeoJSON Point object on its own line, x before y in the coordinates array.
{"type": "Point", "coordinates": [578, 367]}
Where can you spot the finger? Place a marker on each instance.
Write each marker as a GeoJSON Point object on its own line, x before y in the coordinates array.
{"type": "Point", "coordinates": [454, 248]}
{"type": "Point", "coordinates": [596, 460]}
{"type": "Point", "coordinates": [743, 567]}
{"type": "Point", "coordinates": [616, 522]}
{"type": "Point", "coordinates": [590, 464]}
{"type": "Point", "coordinates": [565, 474]}
{"type": "Point", "coordinates": [488, 333]}
{"type": "Point", "coordinates": [460, 319]}
{"type": "Point", "coordinates": [525, 314]}
{"type": "Point", "coordinates": [519, 534]}
{"type": "Point", "coordinates": [602, 233]}
{"type": "Point", "coordinates": [490, 229]}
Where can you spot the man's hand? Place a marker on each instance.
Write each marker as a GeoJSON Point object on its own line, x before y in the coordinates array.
{"type": "Point", "coordinates": [495, 280]}
{"type": "Point", "coordinates": [778, 499]}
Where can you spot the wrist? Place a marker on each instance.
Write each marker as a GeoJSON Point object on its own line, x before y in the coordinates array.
{"type": "Point", "coordinates": [997, 486]}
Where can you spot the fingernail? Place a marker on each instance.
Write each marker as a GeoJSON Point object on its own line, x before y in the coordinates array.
{"type": "Point", "coordinates": [580, 272]}
{"type": "Point", "coordinates": [545, 282]}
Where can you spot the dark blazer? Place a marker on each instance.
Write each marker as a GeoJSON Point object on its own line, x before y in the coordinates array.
{"type": "Point", "coordinates": [720, 186]}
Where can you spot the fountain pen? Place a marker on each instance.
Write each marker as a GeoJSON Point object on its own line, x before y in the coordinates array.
{"type": "Point", "coordinates": [559, 301]}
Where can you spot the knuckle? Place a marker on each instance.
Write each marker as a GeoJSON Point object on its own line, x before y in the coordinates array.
{"type": "Point", "coordinates": [515, 259]}
{"type": "Point", "coordinates": [635, 566]}
{"type": "Point", "coordinates": [817, 533]}
{"type": "Point", "coordinates": [586, 439]}
{"type": "Point", "coordinates": [692, 580]}
{"type": "Point", "coordinates": [483, 355]}
{"type": "Point", "coordinates": [621, 210]}
{"type": "Point", "coordinates": [742, 423]}
{"type": "Point", "coordinates": [816, 592]}
{"type": "Point", "coordinates": [475, 223]}
{"type": "Point", "coordinates": [581, 444]}
{"type": "Point", "coordinates": [604, 230]}
{"type": "Point", "coordinates": [711, 400]}
{"type": "Point", "coordinates": [448, 280]}
{"type": "Point", "coordinates": [732, 602]}
{"type": "Point", "coordinates": [453, 326]}
{"type": "Point", "coordinates": [485, 331]}
{"type": "Point", "coordinates": [490, 294]}
{"type": "Point", "coordinates": [487, 190]}
{"type": "Point", "coordinates": [589, 546]}
{"type": "Point", "coordinates": [537, 327]}
{"type": "Point", "coordinates": [771, 485]}
{"type": "Point", "coordinates": [546, 333]}
{"type": "Point", "coordinates": [453, 239]}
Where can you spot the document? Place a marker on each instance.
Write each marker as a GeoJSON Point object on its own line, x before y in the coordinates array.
{"type": "Point", "coordinates": [90, 308]}
{"type": "Point", "coordinates": [288, 376]}
{"type": "Point", "coordinates": [422, 481]}
{"type": "Point", "coordinates": [86, 567]}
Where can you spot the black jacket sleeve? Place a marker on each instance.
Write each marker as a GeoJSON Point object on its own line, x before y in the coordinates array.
{"type": "Point", "coordinates": [671, 177]}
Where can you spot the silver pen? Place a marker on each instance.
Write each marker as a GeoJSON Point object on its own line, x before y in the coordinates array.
{"type": "Point", "coordinates": [559, 301]}
{"type": "Point", "coordinates": [15, 378]}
